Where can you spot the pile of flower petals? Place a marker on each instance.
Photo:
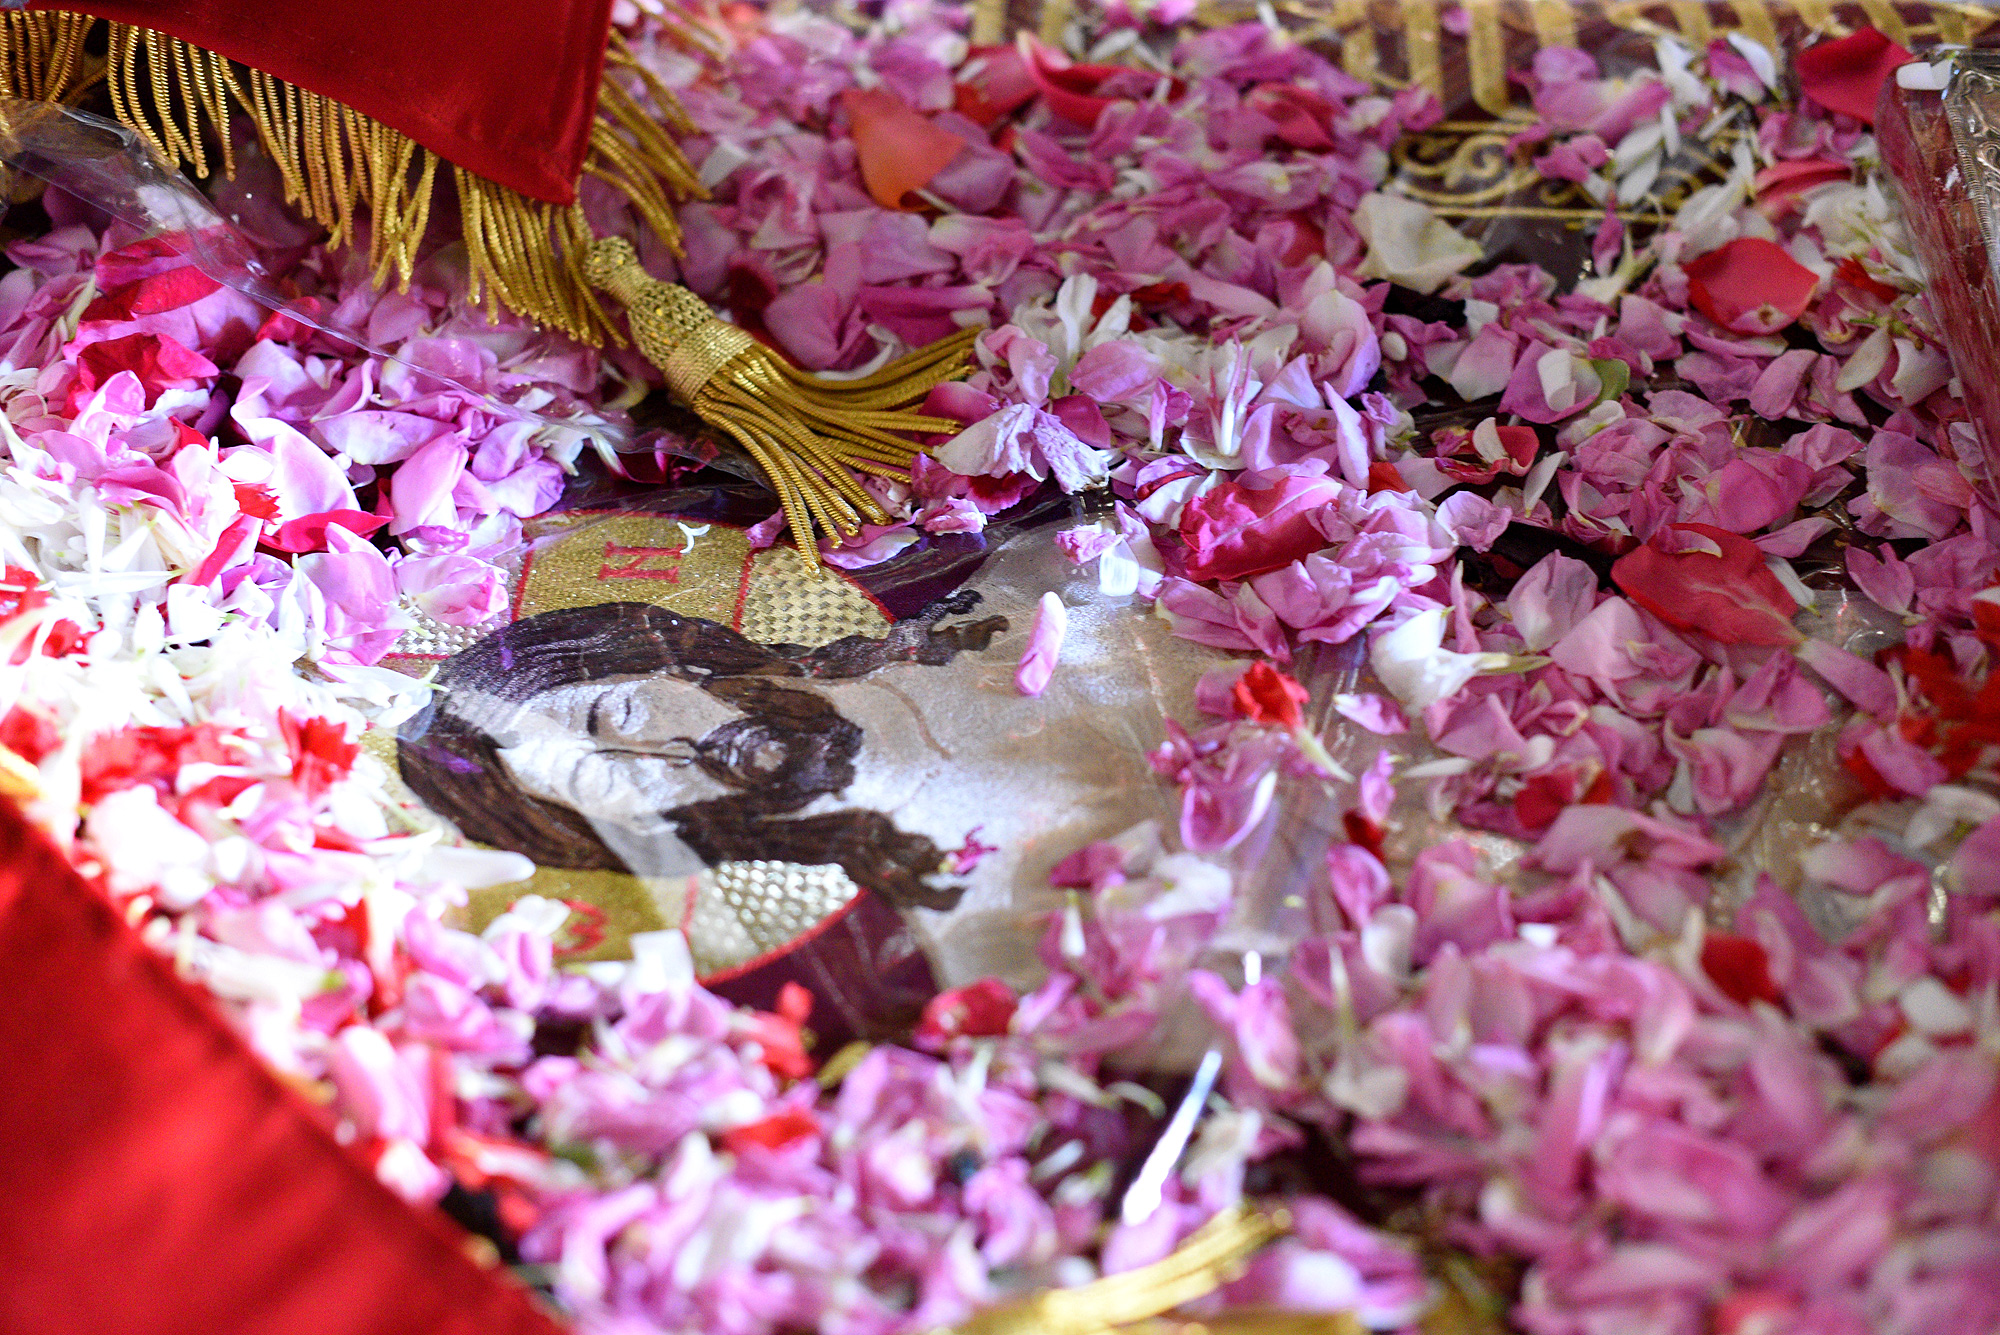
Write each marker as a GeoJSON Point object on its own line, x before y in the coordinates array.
{"type": "Point", "coordinates": [1683, 1115]}
{"type": "Point", "coordinates": [217, 521]}
{"type": "Point", "coordinates": [1674, 1114]}
{"type": "Point", "coordinates": [241, 460]}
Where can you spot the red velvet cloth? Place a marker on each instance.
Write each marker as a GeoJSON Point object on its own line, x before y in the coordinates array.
{"type": "Point", "coordinates": [156, 1179]}
{"type": "Point", "coordinates": [503, 88]}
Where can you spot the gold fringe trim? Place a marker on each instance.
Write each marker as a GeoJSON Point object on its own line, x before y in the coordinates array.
{"type": "Point", "coordinates": [41, 54]}
{"type": "Point", "coordinates": [360, 179]}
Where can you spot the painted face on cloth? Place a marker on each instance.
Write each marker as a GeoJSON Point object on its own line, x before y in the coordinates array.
{"type": "Point", "coordinates": [625, 737]}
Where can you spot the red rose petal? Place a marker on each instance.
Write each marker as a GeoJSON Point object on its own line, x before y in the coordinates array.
{"type": "Point", "coordinates": [1740, 968]}
{"type": "Point", "coordinates": [1750, 286]}
{"type": "Point", "coordinates": [1299, 115]}
{"type": "Point", "coordinates": [1069, 89]}
{"type": "Point", "coordinates": [118, 266]}
{"type": "Point", "coordinates": [1385, 476]}
{"type": "Point", "coordinates": [778, 1035]}
{"type": "Point", "coordinates": [148, 755]}
{"type": "Point", "coordinates": [1547, 795]}
{"type": "Point", "coordinates": [322, 752]}
{"type": "Point", "coordinates": [1781, 183]}
{"type": "Point", "coordinates": [1066, 87]}
{"type": "Point", "coordinates": [898, 149]}
{"type": "Point", "coordinates": [234, 541]}
{"type": "Point", "coordinates": [286, 327]}
{"type": "Point", "coordinates": [254, 499]}
{"type": "Point", "coordinates": [1000, 85]}
{"type": "Point", "coordinates": [28, 733]}
{"type": "Point", "coordinates": [1521, 444]}
{"type": "Point", "coordinates": [156, 359]}
{"type": "Point", "coordinates": [774, 1132]}
{"type": "Point", "coordinates": [1266, 695]}
{"type": "Point", "coordinates": [1850, 272]}
{"type": "Point", "coordinates": [978, 1010]}
{"type": "Point", "coordinates": [1733, 597]}
{"type": "Point", "coordinates": [149, 296]}
{"type": "Point", "coordinates": [1847, 75]}
{"type": "Point", "coordinates": [1362, 831]}
{"type": "Point", "coordinates": [307, 533]}
{"type": "Point", "coordinates": [1986, 616]}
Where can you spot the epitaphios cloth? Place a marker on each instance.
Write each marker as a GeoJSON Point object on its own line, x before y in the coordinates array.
{"type": "Point", "coordinates": [830, 781]}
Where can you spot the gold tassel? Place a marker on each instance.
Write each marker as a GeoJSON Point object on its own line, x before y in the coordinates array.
{"type": "Point", "coordinates": [808, 434]}
{"type": "Point", "coordinates": [1213, 1255]}
{"type": "Point", "coordinates": [337, 165]}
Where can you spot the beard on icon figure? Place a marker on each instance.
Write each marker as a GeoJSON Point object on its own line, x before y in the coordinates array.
{"type": "Point", "coordinates": [626, 737]}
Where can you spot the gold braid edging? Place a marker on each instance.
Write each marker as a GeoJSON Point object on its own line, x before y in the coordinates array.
{"type": "Point", "coordinates": [1395, 43]}
{"type": "Point", "coordinates": [339, 166]}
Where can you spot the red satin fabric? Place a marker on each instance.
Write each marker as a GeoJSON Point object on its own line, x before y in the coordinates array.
{"type": "Point", "coordinates": [155, 1179]}
{"type": "Point", "coordinates": [503, 88]}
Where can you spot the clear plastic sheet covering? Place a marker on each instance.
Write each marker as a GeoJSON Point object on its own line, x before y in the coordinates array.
{"type": "Point", "coordinates": [106, 166]}
{"type": "Point", "coordinates": [839, 785]}
{"type": "Point", "coordinates": [830, 782]}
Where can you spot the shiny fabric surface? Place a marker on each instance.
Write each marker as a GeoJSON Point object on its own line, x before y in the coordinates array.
{"type": "Point", "coordinates": [159, 1180]}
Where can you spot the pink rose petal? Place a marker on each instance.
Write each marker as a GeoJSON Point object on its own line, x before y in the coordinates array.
{"type": "Point", "coordinates": [1045, 637]}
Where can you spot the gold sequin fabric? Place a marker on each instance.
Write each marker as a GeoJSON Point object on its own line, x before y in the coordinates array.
{"type": "Point", "coordinates": [745, 910]}
{"type": "Point", "coordinates": [428, 637]}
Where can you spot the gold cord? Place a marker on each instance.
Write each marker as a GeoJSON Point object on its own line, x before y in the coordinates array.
{"type": "Point", "coordinates": [1213, 1255]}
{"type": "Point", "coordinates": [808, 434]}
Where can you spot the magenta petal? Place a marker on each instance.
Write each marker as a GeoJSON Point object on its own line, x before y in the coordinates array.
{"type": "Point", "coordinates": [960, 402]}
{"type": "Point", "coordinates": [1378, 714]}
{"type": "Point", "coordinates": [376, 437]}
{"type": "Point", "coordinates": [1903, 764]}
{"type": "Point", "coordinates": [815, 325]}
{"type": "Point", "coordinates": [1867, 687]}
{"type": "Point", "coordinates": [920, 315]}
{"type": "Point", "coordinates": [1885, 578]}
{"type": "Point", "coordinates": [1116, 372]}
{"type": "Point", "coordinates": [1264, 1035]}
{"type": "Point", "coordinates": [1083, 419]}
{"type": "Point", "coordinates": [1977, 863]}
{"type": "Point", "coordinates": [1237, 529]}
{"type": "Point", "coordinates": [455, 589]}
